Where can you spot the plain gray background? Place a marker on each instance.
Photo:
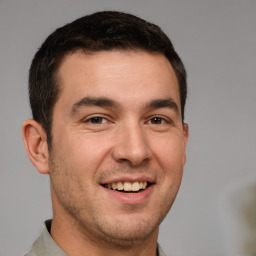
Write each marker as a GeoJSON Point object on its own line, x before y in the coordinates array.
{"type": "Point", "coordinates": [215, 211]}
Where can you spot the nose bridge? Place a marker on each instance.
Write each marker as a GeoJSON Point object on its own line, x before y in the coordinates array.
{"type": "Point", "coordinates": [131, 145]}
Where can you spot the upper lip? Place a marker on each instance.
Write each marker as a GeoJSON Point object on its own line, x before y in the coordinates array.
{"type": "Point", "coordinates": [129, 179]}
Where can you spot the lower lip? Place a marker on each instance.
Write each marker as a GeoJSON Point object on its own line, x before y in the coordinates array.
{"type": "Point", "coordinates": [131, 198]}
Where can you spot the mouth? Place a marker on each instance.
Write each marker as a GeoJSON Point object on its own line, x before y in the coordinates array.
{"type": "Point", "coordinates": [128, 187]}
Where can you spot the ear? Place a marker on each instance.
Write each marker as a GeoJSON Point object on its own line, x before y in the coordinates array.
{"type": "Point", "coordinates": [35, 141]}
{"type": "Point", "coordinates": [185, 137]}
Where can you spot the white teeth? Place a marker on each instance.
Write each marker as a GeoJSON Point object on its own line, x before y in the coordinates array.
{"type": "Point", "coordinates": [119, 185]}
{"type": "Point", "coordinates": [143, 184]}
{"type": "Point", "coordinates": [128, 186]}
{"type": "Point", "coordinates": [114, 186]}
{"type": "Point", "coordinates": [135, 186]}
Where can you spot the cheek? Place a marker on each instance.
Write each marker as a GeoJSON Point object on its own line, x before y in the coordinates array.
{"type": "Point", "coordinates": [87, 151]}
{"type": "Point", "coordinates": [169, 153]}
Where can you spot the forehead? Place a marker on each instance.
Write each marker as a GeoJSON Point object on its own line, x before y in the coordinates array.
{"type": "Point", "coordinates": [125, 75]}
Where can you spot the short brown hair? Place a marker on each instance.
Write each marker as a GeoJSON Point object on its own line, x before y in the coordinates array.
{"type": "Point", "coordinates": [105, 30]}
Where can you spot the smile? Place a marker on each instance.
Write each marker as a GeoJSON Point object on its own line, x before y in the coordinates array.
{"type": "Point", "coordinates": [127, 186]}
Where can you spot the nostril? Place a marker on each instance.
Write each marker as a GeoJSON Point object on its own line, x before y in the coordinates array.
{"type": "Point", "coordinates": [133, 164]}
{"type": "Point", "coordinates": [131, 147]}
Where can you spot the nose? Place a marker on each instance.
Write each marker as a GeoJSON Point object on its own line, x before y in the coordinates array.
{"type": "Point", "coordinates": [131, 146]}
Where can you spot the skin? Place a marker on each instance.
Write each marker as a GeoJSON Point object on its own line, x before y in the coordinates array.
{"type": "Point", "coordinates": [126, 136]}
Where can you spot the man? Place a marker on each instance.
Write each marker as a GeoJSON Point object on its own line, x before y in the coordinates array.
{"type": "Point", "coordinates": [107, 93]}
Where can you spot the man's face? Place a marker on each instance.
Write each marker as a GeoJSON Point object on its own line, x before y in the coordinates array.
{"type": "Point", "coordinates": [118, 146]}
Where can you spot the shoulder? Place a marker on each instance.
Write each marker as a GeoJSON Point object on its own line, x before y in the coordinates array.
{"type": "Point", "coordinates": [45, 245]}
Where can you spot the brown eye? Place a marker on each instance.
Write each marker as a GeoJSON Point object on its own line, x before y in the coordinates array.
{"type": "Point", "coordinates": [156, 120]}
{"type": "Point", "coordinates": [97, 120]}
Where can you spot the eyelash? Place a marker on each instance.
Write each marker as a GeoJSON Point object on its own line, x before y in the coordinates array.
{"type": "Point", "coordinates": [159, 118]}
{"type": "Point", "coordinates": [99, 118]}
{"type": "Point", "coordinates": [102, 120]}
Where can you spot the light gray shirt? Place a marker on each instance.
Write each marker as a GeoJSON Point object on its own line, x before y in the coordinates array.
{"type": "Point", "coordinates": [45, 245]}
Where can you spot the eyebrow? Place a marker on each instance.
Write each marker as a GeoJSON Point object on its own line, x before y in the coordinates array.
{"type": "Point", "coordinates": [92, 101]}
{"type": "Point", "coordinates": [163, 103]}
{"type": "Point", "coordinates": [107, 102]}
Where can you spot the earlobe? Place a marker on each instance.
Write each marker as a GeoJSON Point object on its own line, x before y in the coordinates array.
{"type": "Point", "coordinates": [35, 141]}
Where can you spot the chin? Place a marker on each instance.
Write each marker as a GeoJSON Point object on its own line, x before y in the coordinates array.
{"type": "Point", "coordinates": [129, 231]}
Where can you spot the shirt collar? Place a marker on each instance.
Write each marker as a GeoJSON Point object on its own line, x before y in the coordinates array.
{"type": "Point", "coordinates": [45, 245]}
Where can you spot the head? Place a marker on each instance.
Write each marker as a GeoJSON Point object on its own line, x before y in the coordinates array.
{"type": "Point", "coordinates": [93, 33]}
{"type": "Point", "coordinates": [107, 94]}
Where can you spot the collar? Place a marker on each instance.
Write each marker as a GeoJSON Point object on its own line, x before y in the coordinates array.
{"type": "Point", "coordinates": [45, 245]}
